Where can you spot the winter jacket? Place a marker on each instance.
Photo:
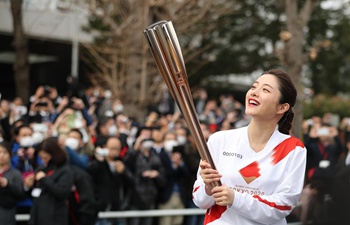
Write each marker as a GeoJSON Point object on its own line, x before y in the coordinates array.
{"type": "Point", "coordinates": [82, 203]}
{"type": "Point", "coordinates": [109, 186]}
{"type": "Point", "coordinates": [145, 191]}
{"type": "Point", "coordinates": [50, 207]}
{"type": "Point", "coordinates": [9, 196]}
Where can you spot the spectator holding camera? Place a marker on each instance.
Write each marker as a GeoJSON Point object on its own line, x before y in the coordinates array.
{"type": "Point", "coordinates": [110, 178]}
{"type": "Point", "coordinates": [24, 156]}
{"type": "Point", "coordinates": [43, 104]}
{"type": "Point", "coordinates": [25, 159]}
{"type": "Point", "coordinates": [79, 108]}
{"type": "Point", "coordinates": [11, 186]}
{"type": "Point", "coordinates": [105, 128]}
{"type": "Point", "coordinates": [48, 92]}
{"type": "Point", "coordinates": [324, 148]}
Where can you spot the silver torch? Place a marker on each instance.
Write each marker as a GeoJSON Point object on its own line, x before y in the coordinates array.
{"type": "Point", "coordinates": [167, 54]}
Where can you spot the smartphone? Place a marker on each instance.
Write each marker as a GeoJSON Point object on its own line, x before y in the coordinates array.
{"type": "Point", "coordinates": [41, 104]}
{"type": "Point", "coordinates": [47, 90]}
{"type": "Point", "coordinates": [70, 120]}
{"type": "Point", "coordinates": [323, 131]}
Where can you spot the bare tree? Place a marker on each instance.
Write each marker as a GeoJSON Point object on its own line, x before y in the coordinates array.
{"type": "Point", "coordinates": [292, 56]}
{"type": "Point", "coordinates": [120, 56]}
{"type": "Point", "coordinates": [21, 65]}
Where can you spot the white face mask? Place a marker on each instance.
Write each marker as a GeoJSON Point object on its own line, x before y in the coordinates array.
{"type": "Point", "coordinates": [112, 130]}
{"type": "Point", "coordinates": [108, 94]}
{"type": "Point", "coordinates": [118, 108]}
{"type": "Point", "coordinates": [181, 139]}
{"type": "Point", "coordinates": [72, 143]}
{"type": "Point", "coordinates": [37, 137]}
{"type": "Point", "coordinates": [26, 142]}
{"type": "Point", "coordinates": [169, 145]}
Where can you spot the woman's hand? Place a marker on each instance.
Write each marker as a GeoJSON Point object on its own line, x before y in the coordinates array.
{"type": "Point", "coordinates": [150, 173]}
{"type": "Point", "coordinates": [209, 176]}
{"type": "Point", "coordinates": [119, 166]}
{"type": "Point", "coordinates": [223, 195]}
{"type": "Point", "coordinates": [29, 181]}
{"type": "Point", "coordinates": [3, 182]}
{"type": "Point", "coordinates": [39, 175]}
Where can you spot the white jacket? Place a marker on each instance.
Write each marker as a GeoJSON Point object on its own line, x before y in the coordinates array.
{"type": "Point", "coordinates": [267, 184]}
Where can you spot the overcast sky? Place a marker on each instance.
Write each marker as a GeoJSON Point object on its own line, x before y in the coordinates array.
{"type": "Point", "coordinates": [336, 4]}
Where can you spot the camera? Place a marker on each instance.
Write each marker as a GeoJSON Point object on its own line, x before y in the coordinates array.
{"type": "Point", "coordinates": [47, 90]}
{"type": "Point", "coordinates": [41, 104]}
{"type": "Point", "coordinates": [70, 102]}
{"type": "Point", "coordinates": [324, 131]}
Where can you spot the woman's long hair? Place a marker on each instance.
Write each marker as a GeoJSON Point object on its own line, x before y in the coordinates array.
{"type": "Point", "coordinates": [51, 146]}
{"type": "Point", "coordinates": [288, 95]}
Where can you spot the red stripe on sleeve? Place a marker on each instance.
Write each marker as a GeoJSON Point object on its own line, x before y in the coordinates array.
{"type": "Point", "coordinates": [194, 190]}
{"type": "Point", "coordinates": [284, 148]}
{"type": "Point", "coordinates": [214, 213]}
{"type": "Point", "coordinates": [273, 204]}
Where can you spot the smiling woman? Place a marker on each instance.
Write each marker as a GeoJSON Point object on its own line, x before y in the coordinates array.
{"type": "Point", "coordinates": [264, 184]}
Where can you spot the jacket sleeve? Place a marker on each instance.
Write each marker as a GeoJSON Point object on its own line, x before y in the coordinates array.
{"type": "Point", "coordinates": [16, 186]}
{"type": "Point", "coordinates": [77, 160]}
{"type": "Point", "coordinates": [60, 186]}
{"type": "Point", "coordinates": [161, 178]}
{"type": "Point", "coordinates": [269, 209]}
{"type": "Point", "coordinates": [128, 177]}
{"type": "Point", "coordinates": [199, 196]}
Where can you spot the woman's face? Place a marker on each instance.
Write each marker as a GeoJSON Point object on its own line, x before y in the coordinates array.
{"type": "Point", "coordinates": [45, 157]}
{"type": "Point", "coordinates": [4, 157]}
{"type": "Point", "coordinates": [262, 99]}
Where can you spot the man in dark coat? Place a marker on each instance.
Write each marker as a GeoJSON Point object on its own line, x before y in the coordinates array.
{"type": "Point", "coordinates": [110, 176]}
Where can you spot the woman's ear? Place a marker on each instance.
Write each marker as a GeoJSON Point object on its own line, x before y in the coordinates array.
{"type": "Point", "coordinates": [282, 108]}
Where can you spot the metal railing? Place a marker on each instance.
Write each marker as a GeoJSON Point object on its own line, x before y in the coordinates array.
{"type": "Point", "coordinates": [143, 213]}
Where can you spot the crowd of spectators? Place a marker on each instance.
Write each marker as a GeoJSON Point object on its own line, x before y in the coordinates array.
{"type": "Point", "coordinates": [326, 195]}
{"type": "Point", "coordinates": [85, 150]}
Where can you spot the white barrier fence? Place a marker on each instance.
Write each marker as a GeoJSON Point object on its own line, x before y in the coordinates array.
{"type": "Point", "coordinates": [143, 213]}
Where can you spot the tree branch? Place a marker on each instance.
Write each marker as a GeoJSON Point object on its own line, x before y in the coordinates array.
{"type": "Point", "coordinates": [306, 11]}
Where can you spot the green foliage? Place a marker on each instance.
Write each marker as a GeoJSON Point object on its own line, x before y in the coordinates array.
{"type": "Point", "coordinates": [322, 104]}
{"type": "Point", "coordinates": [248, 43]}
{"type": "Point", "coordinates": [330, 70]}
